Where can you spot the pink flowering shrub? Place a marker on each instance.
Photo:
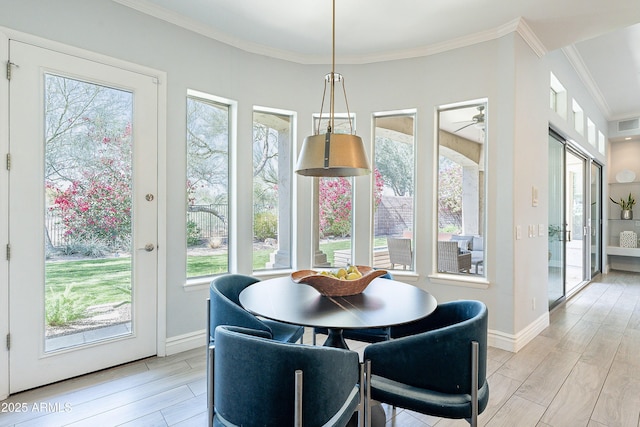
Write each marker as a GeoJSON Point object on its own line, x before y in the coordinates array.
{"type": "Point", "coordinates": [95, 206]}
{"type": "Point", "coordinates": [335, 200]}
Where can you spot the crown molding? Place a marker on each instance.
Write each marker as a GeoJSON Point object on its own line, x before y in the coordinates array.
{"type": "Point", "coordinates": [433, 49]}
{"type": "Point", "coordinates": [204, 30]}
{"type": "Point", "coordinates": [576, 61]}
{"type": "Point", "coordinates": [517, 25]}
{"type": "Point", "coordinates": [527, 34]}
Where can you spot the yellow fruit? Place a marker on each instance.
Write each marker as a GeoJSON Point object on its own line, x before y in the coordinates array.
{"type": "Point", "coordinates": [341, 273]}
{"type": "Point", "coordinates": [353, 276]}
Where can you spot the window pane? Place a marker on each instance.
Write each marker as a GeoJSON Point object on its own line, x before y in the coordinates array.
{"type": "Point", "coordinates": [461, 198]}
{"type": "Point", "coordinates": [207, 187]}
{"type": "Point", "coordinates": [333, 213]}
{"type": "Point", "coordinates": [271, 190]}
{"type": "Point", "coordinates": [393, 192]}
{"type": "Point", "coordinates": [88, 186]}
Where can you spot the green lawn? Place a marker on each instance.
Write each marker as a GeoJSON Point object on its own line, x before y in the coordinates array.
{"type": "Point", "coordinates": [73, 285]}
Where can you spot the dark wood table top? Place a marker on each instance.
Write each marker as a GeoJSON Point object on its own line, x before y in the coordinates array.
{"type": "Point", "coordinates": [383, 303]}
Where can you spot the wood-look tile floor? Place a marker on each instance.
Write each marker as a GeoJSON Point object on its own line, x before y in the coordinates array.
{"type": "Point", "coordinates": [583, 370]}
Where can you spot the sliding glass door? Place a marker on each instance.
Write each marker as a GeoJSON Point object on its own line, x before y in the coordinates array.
{"type": "Point", "coordinates": [557, 224]}
{"type": "Point", "coordinates": [596, 219]}
{"type": "Point", "coordinates": [575, 212]}
{"type": "Point", "coordinates": [574, 233]}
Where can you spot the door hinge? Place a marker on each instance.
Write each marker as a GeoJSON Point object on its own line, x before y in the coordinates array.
{"type": "Point", "coordinates": [8, 251]}
{"type": "Point", "coordinates": [10, 66]}
{"type": "Point", "coordinates": [8, 341]}
{"type": "Point", "coordinates": [8, 161]}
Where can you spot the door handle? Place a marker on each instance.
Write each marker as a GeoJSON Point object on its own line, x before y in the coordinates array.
{"type": "Point", "coordinates": [149, 247]}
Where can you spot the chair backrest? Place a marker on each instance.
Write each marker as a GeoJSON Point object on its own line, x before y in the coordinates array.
{"type": "Point", "coordinates": [439, 357]}
{"type": "Point", "coordinates": [255, 377]}
{"type": "Point", "coordinates": [448, 256]}
{"type": "Point", "coordinates": [399, 250]}
{"type": "Point", "coordinates": [225, 308]}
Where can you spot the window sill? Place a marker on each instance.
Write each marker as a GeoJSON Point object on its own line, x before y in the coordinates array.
{"type": "Point", "coordinates": [202, 283]}
{"type": "Point", "coordinates": [404, 276]}
{"type": "Point", "coordinates": [197, 284]}
{"type": "Point", "coordinates": [459, 280]}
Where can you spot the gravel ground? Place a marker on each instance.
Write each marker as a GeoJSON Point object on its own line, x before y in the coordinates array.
{"type": "Point", "coordinates": [100, 316]}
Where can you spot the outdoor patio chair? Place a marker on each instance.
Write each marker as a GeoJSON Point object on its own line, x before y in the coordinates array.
{"type": "Point", "coordinates": [450, 259]}
{"type": "Point", "coordinates": [400, 252]}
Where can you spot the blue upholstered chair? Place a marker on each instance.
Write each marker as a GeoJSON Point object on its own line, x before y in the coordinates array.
{"type": "Point", "coordinates": [438, 367]}
{"type": "Point", "coordinates": [262, 382]}
{"type": "Point", "coordinates": [369, 335]}
{"type": "Point", "coordinates": [223, 308]}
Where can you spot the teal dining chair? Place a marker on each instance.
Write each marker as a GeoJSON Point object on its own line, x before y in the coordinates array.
{"type": "Point", "coordinates": [223, 308]}
{"type": "Point", "coordinates": [260, 382]}
{"type": "Point", "coordinates": [437, 367]}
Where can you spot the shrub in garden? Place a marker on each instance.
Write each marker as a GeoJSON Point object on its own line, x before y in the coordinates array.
{"type": "Point", "coordinates": [61, 308]}
{"type": "Point", "coordinates": [265, 226]}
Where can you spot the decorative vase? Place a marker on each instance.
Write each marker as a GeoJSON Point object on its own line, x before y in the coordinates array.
{"type": "Point", "coordinates": [626, 214]}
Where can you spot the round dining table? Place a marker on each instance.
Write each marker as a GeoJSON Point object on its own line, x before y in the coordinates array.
{"type": "Point", "coordinates": [383, 303]}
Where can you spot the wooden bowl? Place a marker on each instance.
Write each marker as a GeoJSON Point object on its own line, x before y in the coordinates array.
{"type": "Point", "coordinates": [334, 287]}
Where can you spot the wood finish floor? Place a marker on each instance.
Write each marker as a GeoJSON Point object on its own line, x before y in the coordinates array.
{"type": "Point", "coordinates": [583, 370]}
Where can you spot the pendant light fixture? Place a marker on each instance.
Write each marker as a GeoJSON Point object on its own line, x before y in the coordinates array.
{"type": "Point", "coordinates": [332, 154]}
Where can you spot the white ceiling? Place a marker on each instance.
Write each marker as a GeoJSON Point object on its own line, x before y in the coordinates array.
{"type": "Point", "coordinates": [602, 36]}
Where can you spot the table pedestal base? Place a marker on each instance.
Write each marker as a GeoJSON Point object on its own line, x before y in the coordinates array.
{"type": "Point", "coordinates": [335, 339]}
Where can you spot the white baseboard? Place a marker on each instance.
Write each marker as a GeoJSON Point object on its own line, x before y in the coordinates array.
{"type": "Point", "coordinates": [186, 342]}
{"type": "Point", "coordinates": [514, 343]}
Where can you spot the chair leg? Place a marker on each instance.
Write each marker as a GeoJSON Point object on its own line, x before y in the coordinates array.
{"type": "Point", "coordinates": [367, 393]}
{"type": "Point", "coordinates": [475, 350]}
{"type": "Point", "coordinates": [297, 409]}
{"type": "Point", "coordinates": [210, 358]}
{"type": "Point", "coordinates": [361, 404]}
{"type": "Point", "coordinates": [210, 373]}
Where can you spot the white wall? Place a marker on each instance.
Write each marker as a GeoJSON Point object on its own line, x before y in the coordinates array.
{"type": "Point", "coordinates": [504, 71]}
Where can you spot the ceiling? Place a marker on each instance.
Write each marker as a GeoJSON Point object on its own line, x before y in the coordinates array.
{"type": "Point", "coordinates": [601, 37]}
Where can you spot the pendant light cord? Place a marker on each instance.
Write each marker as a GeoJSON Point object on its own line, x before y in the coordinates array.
{"type": "Point", "coordinates": [333, 68]}
{"type": "Point", "coordinates": [331, 77]}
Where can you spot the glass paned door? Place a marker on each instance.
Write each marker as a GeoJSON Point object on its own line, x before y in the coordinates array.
{"type": "Point", "coordinates": [596, 219]}
{"type": "Point", "coordinates": [575, 220]}
{"type": "Point", "coordinates": [87, 198]}
{"type": "Point", "coordinates": [568, 220]}
{"type": "Point", "coordinates": [83, 216]}
{"type": "Point", "coordinates": [556, 221]}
